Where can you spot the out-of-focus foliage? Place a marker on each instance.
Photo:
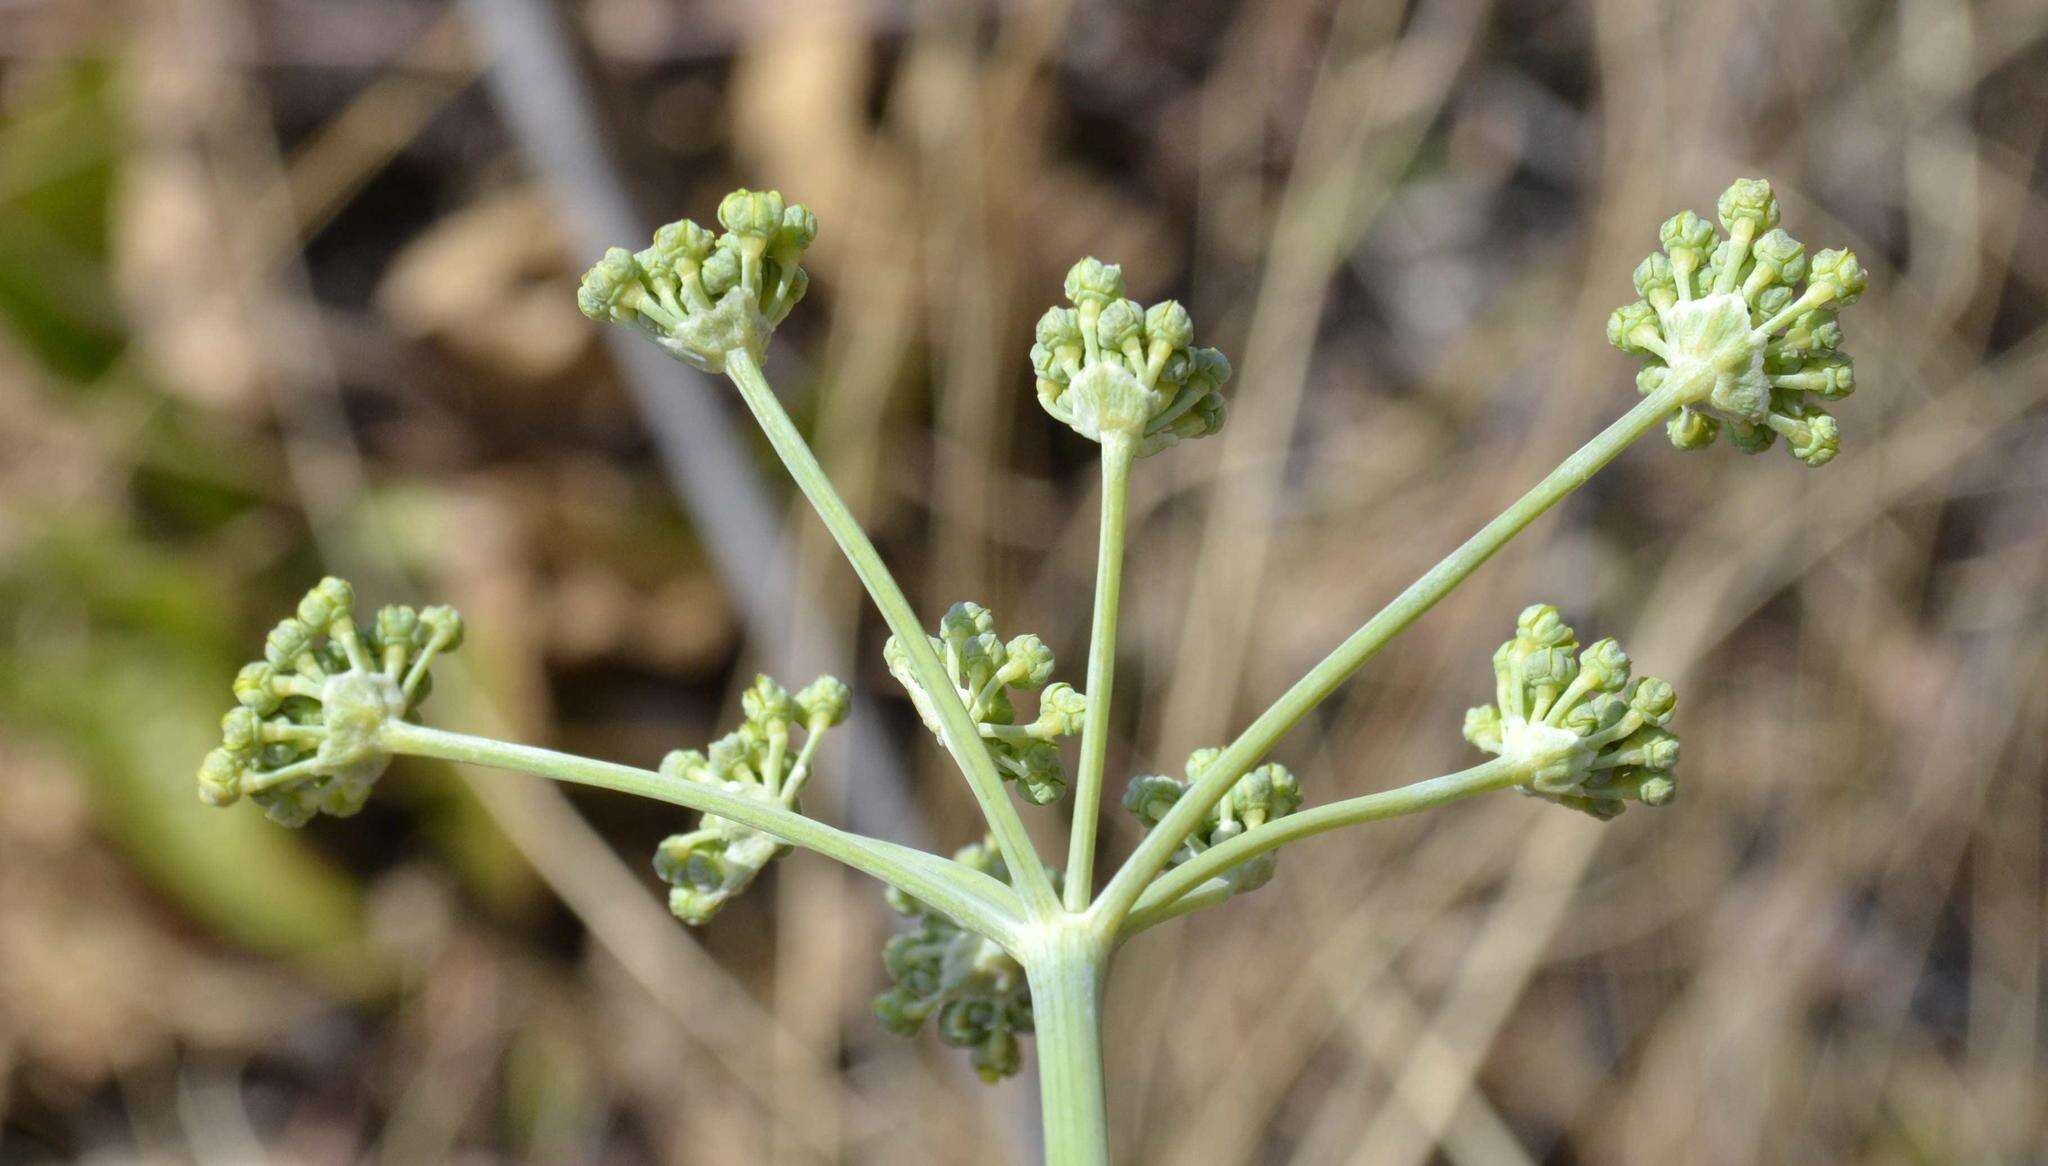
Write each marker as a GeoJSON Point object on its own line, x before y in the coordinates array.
{"type": "Point", "coordinates": [281, 294]}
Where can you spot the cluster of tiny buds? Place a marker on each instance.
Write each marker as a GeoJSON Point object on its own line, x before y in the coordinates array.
{"type": "Point", "coordinates": [1725, 328]}
{"type": "Point", "coordinates": [303, 737]}
{"type": "Point", "coordinates": [713, 864]}
{"type": "Point", "coordinates": [1260, 796]}
{"type": "Point", "coordinates": [1108, 366]}
{"type": "Point", "coordinates": [1585, 734]}
{"type": "Point", "coordinates": [985, 671]}
{"type": "Point", "coordinates": [976, 989]}
{"type": "Point", "coordinates": [701, 295]}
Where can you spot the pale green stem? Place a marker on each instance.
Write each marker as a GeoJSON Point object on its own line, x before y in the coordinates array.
{"type": "Point", "coordinates": [1252, 745]}
{"type": "Point", "coordinates": [957, 729]}
{"type": "Point", "coordinates": [1066, 964]}
{"type": "Point", "coordinates": [1109, 573]}
{"type": "Point", "coordinates": [800, 770]}
{"type": "Point", "coordinates": [979, 902]}
{"type": "Point", "coordinates": [1164, 899]}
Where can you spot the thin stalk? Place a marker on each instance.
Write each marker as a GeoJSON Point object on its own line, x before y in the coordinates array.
{"type": "Point", "coordinates": [1164, 899]}
{"type": "Point", "coordinates": [976, 900]}
{"type": "Point", "coordinates": [957, 729]}
{"type": "Point", "coordinates": [1311, 690]}
{"type": "Point", "coordinates": [1109, 573]}
{"type": "Point", "coordinates": [1066, 966]}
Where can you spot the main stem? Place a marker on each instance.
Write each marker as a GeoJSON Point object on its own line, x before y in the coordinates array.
{"type": "Point", "coordinates": [961, 736]}
{"type": "Point", "coordinates": [1066, 963]}
{"type": "Point", "coordinates": [1258, 738]}
{"type": "Point", "coordinates": [1109, 574]}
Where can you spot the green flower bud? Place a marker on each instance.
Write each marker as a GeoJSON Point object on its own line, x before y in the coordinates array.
{"type": "Point", "coordinates": [1749, 201]}
{"type": "Point", "coordinates": [1656, 282]}
{"type": "Point", "coordinates": [256, 687]}
{"type": "Point", "coordinates": [1841, 272]}
{"type": "Point", "coordinates": [684, 245]}
{"type": "Point", "coordinates": [1604, 665]}
{"type": "Point", "coordinates": [1751, 439]}
{"type": "Point", "coordinates": [1482, 727]}
{"type": "Point", "coordinates": [1830, 377]}
{"type": "Point", "coordinates": [241, 732]}
{"type": "Point", "coordinates": [1686, 232]}
{"type": "Point", "coordinates": [721, 272]}
{"type": "Point", "coordinates": [1653, 699]}
{"type": "Point", "coordinates": [1781, 255]}
{"type": "Point", "coordinates": [1061, 710]}
{"type": "Point", "coordinates": [1150, 797]}
{"type": "Point", "coordinates": [1658, 790]}
{"type": "Point", "coordinates": [1542, 625]}
{"type": "Point", "coordinates": [824, 702]}
{"type": "Point", "coordinates": [799, 228]}
{"type": "Point", "coordinates": [1029, 661]}
{"type": "Point", "coordinates": [442, 624]}
{"type": "Point", "coordinates": [1093, 281]}
{"type": "Point", "coordinates": [1059, 329]}
{"type": "Point", "coordinates": [1167, 322]}
{"type": "Point", "coordinates": [1692, 429]}
{"type": "Point", "coordinates": [397, 626]}
{"type": "Point", "coordinates": [1810, 434]}
{"type": "Point", "coordinates": [1631, 326]}
{"type": "Point", "coordinates": [1120, 323]}
{"type": "Point", "coordinates": [612, 290]}
{"type": "Point", "coordinates": [997, 1056]}
{"type": "Point", "coordinates": [220, 778]}
{"type": "Point", "coordinates": [287, 642]}
{"type": "Point", "coordinates": [752, 214]}
{"type": "Point", "coordinates": [1040, 774]}
{"type": "Point", "coordinates": [766, 701]}
{"type": "Point", "coordinates": [328, 601]}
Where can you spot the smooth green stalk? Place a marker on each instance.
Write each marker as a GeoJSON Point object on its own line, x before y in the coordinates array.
{"type": "Point", "coordinates": [1066, 961]}
{"type": "Point", "coordinates": [1250, 746]}
{"type": "Point", "coordinates": [1164, 899]}
{"type": "Point", "coordinates": [1117, 452]}
{"type": "Point", "coordinates": [962, 738]}
{"type": "Point", "coordinates": [976, 900]}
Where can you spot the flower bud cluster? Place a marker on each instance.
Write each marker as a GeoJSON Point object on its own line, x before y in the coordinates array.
{"type": "Point", "coordinates": [1111, 366]}
{"type": "Point", "coordinates": [1261, 795]}
{"type": "Point", "coordinates": [711, 865]}
{"type": "Point", "coordinates": [976, 989]}
{"type": "Point", "coordinates": [1590, 737]}
{"type": "Point", "coordinates": [985, 671]}
{"type": "Point", "coordinates": [303, 736]}
{"type": "Point", "coordinates": [701, 295]}
{"type": "Point", "coordinates": [1742, 329]}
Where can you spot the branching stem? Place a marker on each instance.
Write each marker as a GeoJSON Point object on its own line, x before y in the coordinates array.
{"type": "Point", "coordinates": [1164, 899]}
{"type": "Point", "coordinates": [958, 731]}
{"type": "Point", "coordinates": [1151, 856]}
{"type": "Point", "coordinates": [1109, 570]}
{"type": "Point", "coordinates": [976, 900]}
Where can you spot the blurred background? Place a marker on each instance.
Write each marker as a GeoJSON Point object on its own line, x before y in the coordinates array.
{"type": "Point", "coordinates": [287, 287]}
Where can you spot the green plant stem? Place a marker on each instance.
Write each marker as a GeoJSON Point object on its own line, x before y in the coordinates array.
{"type": "Point", "coordinates": [1117, 453]}
{"type": "Point", "coordinates": [1162, 900]}
{"type": "Point", "coordinates": [979, 902]}
{"type": "Point", "coordinates": [1251, 745]}
{"type": "Point", "coordinates": [1066, 962]}
{"type": "Point", "coordinates": [957, 729]}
